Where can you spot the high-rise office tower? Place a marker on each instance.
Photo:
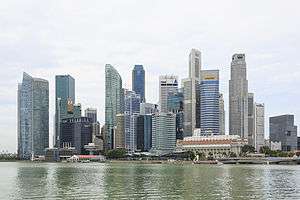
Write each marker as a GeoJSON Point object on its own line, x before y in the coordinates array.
{"type": "Point", "coordinates": [132, 110]}
{"type": "Point", "coordinates": [191, 90]}
{"type": "Point", "coordinates": [175, 105]}
{"type": "Point", "coordinates": [144, 132]}
{"type": "Point", "coordinates": [238, 97]}
{"type": "Point", "coordinates": [64, 102]}
{"type": "Point", "coordinates": [120, 132]}
{"type": "Point", "coordinates": [259, 136]}
{"type": "Point", "coordinates": [77, 132]}
{"type": "Point", "coordinates": [209, 106]}
{"type": "Point", "coordinates": [138, 81]}
{"type": "Point", "coordinates": [251, 119]}
{"type": "Point", "coordinates": [282, 129]}
{"type": "Point", "coordinates": [33, 116]}
{"type": "Point", "coordinates": [91, 113]}
{"type": "Point", "coordinates": [113, 102]}
{"type": "Point", "coordinates": [222, 115]}
{"type": "Point", "coordinates": [167, 84]}
{"type": "Point", "coordinates": [163, 133]}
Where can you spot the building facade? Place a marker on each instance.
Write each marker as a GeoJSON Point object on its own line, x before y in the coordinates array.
{"type": "Point", "coordinates": [222, 115]}
{"type": "Point", "coordinates": [120, 132]}
{"type": "Point", "coordinates": [217, 145]}
{"type": "Point", "coordinates": [144, 132]}
{"type": "Point", "coordinates": [132, 110]}
{"type": "Point", "coordinates": [191, 90]}
{"type": "Point", "coordinates": [138, 81]}
{"type": "Point", "coordinates": [91, 113]}
{"type": "Point", "coordinates": [251, 119]}
{"type": "Point", "coordinates": [282, 129]}
{"type": "Point", "coordinates": [238, 97]}
{"type": "Point", "coordinates": [77, 132]}
{"type": "Point", "coordinates": [259, 134]}
{"type": "Point", "coordinates": [167, 84]}
{"type": "Point", "coordinates": [33, 117]}
{"type": "Point", "coordinates": [113, 102]}
{"type": "Point", "coordinates": [148, 108]}
{"type": "Point", "coordinates": [209, 106]}
{"type": "Point", "coordinates": [163, 133]}
{"type": "Point", "coordinates": [175, 105]}
{"type": "Point", "coordinates": [64, 102]}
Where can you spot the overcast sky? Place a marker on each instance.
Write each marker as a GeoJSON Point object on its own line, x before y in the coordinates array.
{"type": "Point", "coordinates": [46, 38]}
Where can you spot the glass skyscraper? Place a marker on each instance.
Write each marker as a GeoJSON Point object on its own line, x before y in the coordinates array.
{"type": "Point", "coordinates": [132, 110]}
{"type": "Point", "coordinates": [210, 106]}
{"type": "Point", "coordinates": [144, 132]}
{"type": "Point", "coordinates": [33, 116]}
{"type": "Point", "coordinates": [175, 105]}
{"type": "Point", "coordinates": [64, 102]}
{"type": "Point", "coordinates": [138, 81]}
{"type": "Point", "coordinates": [113, 102]}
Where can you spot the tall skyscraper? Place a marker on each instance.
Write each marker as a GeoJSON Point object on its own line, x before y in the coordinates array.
{"type": "Point", "coordinates": [259, 136]}
{"type": "Point", "coordinates": [222, 115]}
{"type": "Point", "coordinates": [120, 132]}
{"type": "Point", "coordinates": [251, 119]}
{"type": "Point", "coordinates": [144, 132]}
{"type": "Point", "coordinates": [132, 110]}
{"type": "Point", "coordinates": [191, 90]}
{"type": "Point", "coordinates": [163, 133]}
{"type": "Point", "coordinates": [138, 81]}
{"type": "Point", "coordinates": [209, 106]}
{"type": "Point", "coordinates": [167, 84]}
{"type": "Point", "coordinates": [282, 129]}
{"type": "Point", "coordinates": [113, 102]}
{"type": "Point", "coordinates": [175, 105]}
{"type": "Point", "coordinates": [91, 113]}
{"type": "Point", "coordinates": [33, 116]}
{"type": "Point", "coordinates": [64, 101]}
{"type": "Point", "coordinates": [238, 97]}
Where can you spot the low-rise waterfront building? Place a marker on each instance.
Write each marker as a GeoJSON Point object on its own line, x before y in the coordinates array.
{"type": "Point", "coordinates": [217, 145]}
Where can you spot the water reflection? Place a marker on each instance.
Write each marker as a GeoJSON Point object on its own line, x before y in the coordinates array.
{"type": "Point", "coordinates": [31, 182]}
{"type": "Point", "coordinates": [138, 181]}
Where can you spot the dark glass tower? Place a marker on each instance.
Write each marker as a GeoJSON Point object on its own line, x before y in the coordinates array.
{"type": "Point", "coordinates": [64, 101]}
{"type": "Point", "coordinates": [138, 81]}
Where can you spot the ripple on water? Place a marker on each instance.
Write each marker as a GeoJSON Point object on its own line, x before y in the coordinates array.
{"type": "Point", "coordinates": [27, 180]}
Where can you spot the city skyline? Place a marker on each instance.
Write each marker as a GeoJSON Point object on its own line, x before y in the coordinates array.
{"type": "Point", "coordinates": [268, 65]}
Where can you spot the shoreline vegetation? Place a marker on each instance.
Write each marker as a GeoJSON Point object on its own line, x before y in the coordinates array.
{"type": "Point", "coordinates": [247, 156]}
{"type": "Point", "coordinates": [232, 161]}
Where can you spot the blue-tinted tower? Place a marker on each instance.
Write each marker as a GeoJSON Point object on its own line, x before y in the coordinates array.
{"type": "Point", "coordinates": [209, 108]}
{"type": "Point", "coordinates": [138, 81]}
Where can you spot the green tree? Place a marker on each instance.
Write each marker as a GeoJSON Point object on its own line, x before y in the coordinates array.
{"type": "Point", "coordinates": [232, 154]}
{"type": "Point", "coordinates": [116, 153]}
{"type": "Point", "coordinates": [247, 149]}
{"type": "Point", "coordinates": [265, 149]}
{"type": "Point", "coordinates": [201, 155]}
{"type": "Point", "coordinates": [191, 155]}
{"type": "Point", "coordinates": [210, 156]}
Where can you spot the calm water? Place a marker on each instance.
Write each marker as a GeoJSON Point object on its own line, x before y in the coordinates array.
{"type": "Point", "coordinates": [139, 181]}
